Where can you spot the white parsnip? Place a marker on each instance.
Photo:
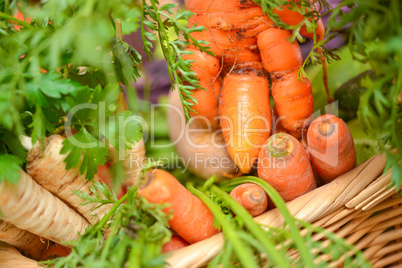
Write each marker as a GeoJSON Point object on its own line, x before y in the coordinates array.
{"type": "Point", "coordinates": [10, 257]}
{"type": "Point", "coordinates": [133, 160]}
{"type": "Point", "coordinates": [47, 168]}
{"type": "Point", "coordinates": [31, 244]}
{"type": "Point", "coordinates": [30, 207]}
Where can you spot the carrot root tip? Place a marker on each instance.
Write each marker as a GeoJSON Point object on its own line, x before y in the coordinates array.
{"type": "Point", "coordinates": [279, 145]}
{"type": "Point", "coordinates": [326, 128]}
{"type": "Point", "coordinates": [146, 180]}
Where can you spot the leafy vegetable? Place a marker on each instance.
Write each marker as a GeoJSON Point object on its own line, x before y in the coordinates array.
{"type": "Point", "coordinates": [9, 168]}
{"type": "Point", "coordinates": [66, 56]}
{"type": "Point", "coordinates": [136, 231]}
{"type": "Point", "coordinates": [179, 69]}
{"type": "Point", "coordinates": [375, 37]}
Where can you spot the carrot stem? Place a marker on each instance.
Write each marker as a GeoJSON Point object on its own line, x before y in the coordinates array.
{"type": "Point", "coordinates": [280, 204]}
{"type": "Point", "coordinates": [109, 240]}
{"type": "Point", "coordinates": [244, 253]}
{"type": "Point", "coordinates": [119, 30]}
{"type": "Point", "coordinates": [255, 229]}
{"type": "Point", "coordinates": [112, 211]}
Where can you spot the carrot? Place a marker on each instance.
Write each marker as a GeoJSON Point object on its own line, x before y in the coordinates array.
{"type": "Point", "coordinates": [175, 243]}
{"type": "Point", "coordinates": [55, 251]}
{"type": "Point", "coordinates": [252, 197]}
{"type": "Point", "coordinates": [30, 207]}
{"type": "Point", "coordinates": [293, 18]}
{"type": "Point", "coordinates": [49, 170]}
{"type": "Point", "coordinates": [10, 257]}
{"type": "Point", "coordinates": [192, 220]}
{"type": "Point", "coordinates": [277, 126]}
{"type": "Point", "coordinates": [293, 97]}
{"type": "Point", "coordinates": [231, 27]}
{"type": "Point", "coordinates": [331, 147]}
{"type": "Point", "coordinates": [245, 113]}
{"type": "Point", "coordinates": [207, 69]}
{"type": "Point", "coordinates": [239, 33]}
{"type": "Point", "coordinates": [284, 164]}
{"type": "Point", "coordinates": [32, 245]}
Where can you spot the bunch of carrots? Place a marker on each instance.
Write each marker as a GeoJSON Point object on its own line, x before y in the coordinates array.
{"type": "Point", "coordinates": [252, 58]}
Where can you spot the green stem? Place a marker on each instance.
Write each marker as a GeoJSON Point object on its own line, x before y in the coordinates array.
{"type": "Point", "coordinates": [243, 252]}
{"type": "Point", "coordinates": [280, 204]}
{"type": "Point", "coordinates": [112, 211]}
{"type": "Point", "coordinates": [254, 228]}
{"type": "Point", "coordinates": [119, 29]}
{"type": "Point", "coordinates": [65, 71]}
{"type": "Point", "coordinates": [20, 22]}
{"type": "Point", "coordinates": [108, 243]}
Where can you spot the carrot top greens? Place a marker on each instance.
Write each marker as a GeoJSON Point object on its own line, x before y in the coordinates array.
{"type": "Point", "coordinates": [374, 30]}
{"type": "Point", "coordinates": [136, 231]}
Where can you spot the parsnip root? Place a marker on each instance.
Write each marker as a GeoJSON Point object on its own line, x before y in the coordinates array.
{"type": "Point", "coordinates": [10, 257]}
{"type": "Point", "coordinates": [31, 244]}
{"type": "Point", "coordinates": [49, 170]}
{"type": "Point", "coordinates": [133, 161]}
{"type": "Point", "coordinates": [30, 207]}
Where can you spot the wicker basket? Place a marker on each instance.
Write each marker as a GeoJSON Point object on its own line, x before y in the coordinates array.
{"type": "Point", "coordinates": [358, 206]}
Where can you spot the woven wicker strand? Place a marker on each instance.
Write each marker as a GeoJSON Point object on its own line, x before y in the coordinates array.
{"type": "Point", "coordinates": [336, 206]}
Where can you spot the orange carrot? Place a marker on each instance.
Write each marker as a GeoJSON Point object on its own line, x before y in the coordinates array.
{"type": "Point", "coordinates": [331, 147]}
{"type": "Point", "coordinates": [284, 164]}
{"type": "Point", "coordinates": [32, 245]}
{"type": "Point", "coordinates": [293, 18]}
{"type": "Point", "coordinates": [245, 113]}
{"type": "Point", "coordinates": [175, 243]}
{"type": "Point", "coordinates": [49, 170]}
{"type": "Point", "coordinates": [239, 33]}
{"type": "Point", "coordinates": [192, 220]}
{"type": "Point", "coordinates": [207, 69]}
{"type": "Point", "coordinates": [293, 98]}
{"type": "Point", "coordinates": [55, 251]}
{"type": "Point", "coordinates": [30, 207]}
{"type": "Point", "coordinates": [252, 197]}
{"type": "Point", "coordinates": [277, 126]}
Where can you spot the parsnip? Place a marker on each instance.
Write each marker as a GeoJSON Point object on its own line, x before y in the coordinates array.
{"type": "Point", "coordinates": [10, 257]}
{"type": "Point", "coordinates": [49, 170]}
{"type": "Point", "coordinates": [213, 158]}
{"type": "Point", "coordinates": [30, 207]}
{"type": "Point", "coordinates": [31, 244]}
{"type": "Point", "coordinates": [133, 161]}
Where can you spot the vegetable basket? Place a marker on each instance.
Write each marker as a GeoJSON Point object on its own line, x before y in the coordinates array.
{"type": "Point", "coordinates": [359, 206]}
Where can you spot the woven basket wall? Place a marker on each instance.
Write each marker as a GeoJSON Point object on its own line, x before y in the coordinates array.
{"type": "Point", "coordinates": [358, 206]}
